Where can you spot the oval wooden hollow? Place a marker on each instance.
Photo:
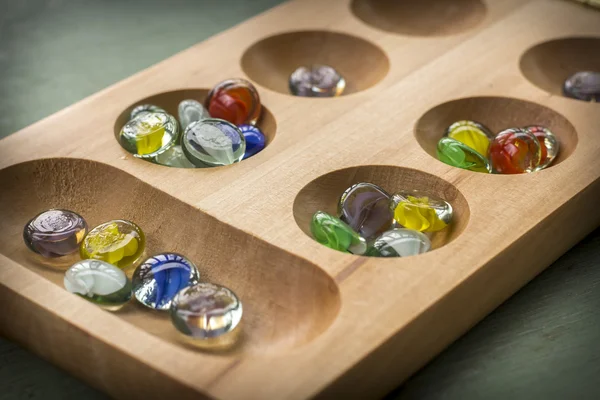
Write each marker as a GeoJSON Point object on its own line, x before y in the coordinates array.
{"type": "Point", "coordinates": [287, 300]}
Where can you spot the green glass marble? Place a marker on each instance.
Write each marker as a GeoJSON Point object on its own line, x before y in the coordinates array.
{"type": "Point", "coordinates": [336, 234]}
{"type": "Point", "coordinates": [99, 282]}
{"type": "Point", "coordinates": [457, 154]}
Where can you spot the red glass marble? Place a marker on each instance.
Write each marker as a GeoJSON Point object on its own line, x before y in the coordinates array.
{"type": "Point", "coordinates": [515, 151]}
{"type": "Point", "coordinates": [236, 101]}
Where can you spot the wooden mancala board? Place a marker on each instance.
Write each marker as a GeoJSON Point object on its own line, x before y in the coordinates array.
{"type": "Point", "coordinates": [318, 323]}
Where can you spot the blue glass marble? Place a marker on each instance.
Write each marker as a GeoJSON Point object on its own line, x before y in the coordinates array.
{"type": "Point", "coordinates": [161, 277]}
{"type": "Point", "coordinates": [255, 140]}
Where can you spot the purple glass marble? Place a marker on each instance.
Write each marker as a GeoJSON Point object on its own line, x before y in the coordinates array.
{"type": "Point", "coordinates": [316, 81]}
{"type": "Point", "coordinates": [55, 233]}
{"type": "Point", "coordinates": [366, 208]}
{"type": "Point", "coordinates": [255, 140]}
{"type": "Point", "coordinates": [583, 85]}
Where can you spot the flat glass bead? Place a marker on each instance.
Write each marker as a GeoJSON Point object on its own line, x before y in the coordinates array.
{"type": "Point", "coordinates": [400, 243]}
{"type": "Point", "coordinates": [117, 242]}
{"type": "Point", "coordinates": [158, 279]}
{"type": "Point", "coordinates": [472, 134]}
{"type": "Point", "coordinates": [207, 315]}
{"type": "Point", "coordinates": [236, 101]}
{"type": "Point", "coordinates": [457, 154]}
{"type": "Point", "coordinates": [548, 145]}
{"type": "Point", "coordinates": [515, 151]}
{"type": "Point", "coordinates": [55, 233]}
{"type": "Point", "coordinates": [213, 142]}
{"type": "Point", "coordinates": [365, 207]}
{"type": "Point", "coordinates": [316, 81]}
{"type": "Point", "coordinates": [174, 157]}
{"type": "Point", "coordinates": [191, 111]}
{"type": "Point", "coordinates": [420, 211]}
{"type": "Point", "coordinates": [99, 282]}
{"type": "Point", "coordinates": [149, 134]}
{"type": "Point", "coordinates": [336, 234]}
{"type": "Point", "coordinates": [255, 139]}
{"type": "Point", "coordinates": [584, 85]}
{"type": "Point", "coordinates": [144, 108]}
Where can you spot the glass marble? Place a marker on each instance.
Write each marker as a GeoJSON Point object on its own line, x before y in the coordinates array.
{"type": "Point", "coordinates": [400, 243]}
{"type": "Point", "coordinates": [515, 151]}
{"type": "Point", "coordinates": [207, 315]}
{"type": "Point", "coordinates": [144, 108]}
{"type": "Point", "coordinates": [365, 207]}
{"type": "Point", "coordinates": [236, 101]}
{"type": "Point", "coordinates": [316, 81]}
{"type": "Point", "coordinates": [421, 211]}
{"type": "Point", "coordinates": [213, 142]}
{"type": "Point", "coordinates": [255, 140]}
{"type": "Point", "coordinates": [548, 145]}
{"type": "Point", "coordinates": [174, 157]}
{"type": "Point", "coordinates": [149, 134]}
{"type": "Point", "coordinates": [336, 234]}
{"type": "Point", "coordinates": [99, 282]}
{"type": "Point", "coordinates": [473, 134]}
{"type": "Point", "coordinates": [457, 154]}
{"type": "Point", "coordinates": [117, 242]}
{"type": "Point", "coordinates": [584, 85]}
{"type": "Point", "coordinates": [158, 279]}
{"type": "Point", "coordinates": [191, 111]}
{"type": "Point", "coordinates": [55, 233]}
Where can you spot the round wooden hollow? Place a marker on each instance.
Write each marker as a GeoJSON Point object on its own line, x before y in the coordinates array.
{"type": "Point", "coordinates": [271, 61]}
{"type": "Point", "coordinates": [420, 18]}
{"type": "Point", "coordinates": [548, 64]}
{"type": "Point", "coordinates": [324, 193]}
{"type": "Point", "coordinates": [496, 113]}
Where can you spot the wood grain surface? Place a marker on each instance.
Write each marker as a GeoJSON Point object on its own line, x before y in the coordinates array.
{"type": "Point", "coordinates": [441, 296]}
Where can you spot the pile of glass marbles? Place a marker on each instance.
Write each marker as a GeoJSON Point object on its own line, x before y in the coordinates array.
{"type": "Point", "coordinates": [374, 223]}
{"type": "Point", "coordinates": [221, 132]}
{"type": "Point", "coordinates": [470, 145]}
{"type": "Point", "coordinates": [207, 315]}
{"type": "Point", "coordinates": [316, 81]}
{"type": "Point", "coordinates": [583, 85]}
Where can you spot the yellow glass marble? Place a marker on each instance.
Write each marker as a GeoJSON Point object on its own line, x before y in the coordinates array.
{"type": "Point", "coordinates": [117, 242]}
{"type": "Point", "coordinates": [416, 213]}
{"type": "Point", "coordinates": [149, 134]}
{"type": "Point", "coordinates": [472, 134]}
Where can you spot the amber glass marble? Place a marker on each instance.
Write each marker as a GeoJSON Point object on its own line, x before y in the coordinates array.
{"type": "Point", "coordinates": [236, 101]}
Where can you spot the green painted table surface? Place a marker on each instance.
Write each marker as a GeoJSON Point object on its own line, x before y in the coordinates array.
{"type": "Point", "coordinates": [543, 343]}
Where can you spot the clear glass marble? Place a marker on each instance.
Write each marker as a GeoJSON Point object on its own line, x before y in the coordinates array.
{"type": "Point", "coordinates": [116, 242]}
{"type": "Point", "coordinates": [149, 134]}
{"type": "Point", "coordinates": [365, 207]}
{"type": "Point", "coordinates": [472, 134]}
{"type": "Point", "coordinates": [174, 157]}
{"type": "Point", "coordinates": [55, 233]}
{"type": "Point", "coordinates": [400, 242]}
{"type": "Point", "coordinates": [191, 111]}
{"type": "Point", "coordinates": [515, 151]}
{"type": "Point", "coordinates": [137, 110]}
{"type": "Point", "coordinates": [583, 85]}
{"type": "Point", "coordinates": [236, 101]}
{"type": "Point", "coordinates": [99, 282]}
{"type": "Point", "coordinates": [457, 154]}
{"type": "Point", "coordinates": [213, 142]}
{"type": "Point", "coordinates": [208, 316]}
{"type": "Point", "coordinates": [316, 81]}
{"type": "Point", "coordinates": [420, 211]}
{"type": "Point", "coordinates": [158, 279]}
{"type": "Point", "coordinates": [336, 234]}
{"type": "Point", "coordinates": [548, 145]}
